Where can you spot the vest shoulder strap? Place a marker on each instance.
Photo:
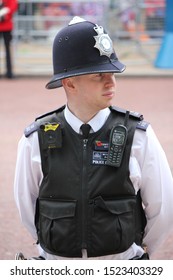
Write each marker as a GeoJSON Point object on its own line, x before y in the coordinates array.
{"type": "Point", "coordinates": [141, 124]}
{"type": "Point", "coordinates": [133, 114]}
{"type": "Point", "coordinates": [36, 124]}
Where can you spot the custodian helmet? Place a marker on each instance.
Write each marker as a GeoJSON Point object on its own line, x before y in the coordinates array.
{"type": "Point", "coordinates": [82, 48]}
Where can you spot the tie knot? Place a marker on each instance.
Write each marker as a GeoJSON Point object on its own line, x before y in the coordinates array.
{"type": "Point", "coordinates": [85, 128]}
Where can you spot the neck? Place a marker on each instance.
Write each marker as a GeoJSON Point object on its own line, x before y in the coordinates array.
{"type": "Point", "coordinates": [82, 114]}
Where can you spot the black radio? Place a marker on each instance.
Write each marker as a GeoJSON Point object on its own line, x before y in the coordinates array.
{"type": "Point", "coordinates": [117, 142]}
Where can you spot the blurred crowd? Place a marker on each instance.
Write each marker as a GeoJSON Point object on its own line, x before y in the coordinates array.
{"type": "Point", "coordinates": [127, 11]}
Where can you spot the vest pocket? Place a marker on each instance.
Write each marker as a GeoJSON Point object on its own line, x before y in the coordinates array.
{"type": "Point", "coordinates": [57, 226]}
{"type": "Point", "coordinates": [112, 228]}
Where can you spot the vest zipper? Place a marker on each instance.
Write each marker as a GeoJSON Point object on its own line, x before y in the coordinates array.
{"type": "Point", "coordinates": [84, 194]}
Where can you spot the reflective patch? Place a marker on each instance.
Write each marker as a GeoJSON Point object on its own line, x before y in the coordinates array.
{"type": "Point", "coordinates": [51, 126]}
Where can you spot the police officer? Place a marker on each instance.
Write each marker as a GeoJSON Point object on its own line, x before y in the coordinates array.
{"type": "Point", "coordinates": [92, 180]}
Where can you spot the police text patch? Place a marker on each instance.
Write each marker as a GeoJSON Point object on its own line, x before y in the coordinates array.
{"type": "Point", "coordinates": [99, 157]}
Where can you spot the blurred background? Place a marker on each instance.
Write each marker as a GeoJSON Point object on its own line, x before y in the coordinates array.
{"type": "Point", "coordinates": [136, 26]}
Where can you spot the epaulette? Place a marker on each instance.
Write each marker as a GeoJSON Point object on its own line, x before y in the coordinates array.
{"type": "Point", "coordinates": [142, 125]}
{"type": "Point", "coordinates": [35, 125]}
{"type": "Point", "coordinates": [131, 113]}
{"type": "Point", "coordinates": [30, 129]}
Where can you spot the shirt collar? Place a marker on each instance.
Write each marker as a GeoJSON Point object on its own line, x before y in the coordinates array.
{"type": "Point", "coordinates": [96, 122]}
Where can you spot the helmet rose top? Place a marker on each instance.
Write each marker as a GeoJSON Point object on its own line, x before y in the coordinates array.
{"type": "Point", "coordinates": [82, 48]}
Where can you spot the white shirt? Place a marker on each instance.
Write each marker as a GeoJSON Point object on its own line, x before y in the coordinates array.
{"type": "Point", "coordinates": [149, 172]}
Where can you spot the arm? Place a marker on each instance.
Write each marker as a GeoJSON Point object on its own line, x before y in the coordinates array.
{"type": "Point", "coordinates": [9, 9]}
{"type": "Point", "coordinates": [156, 184]}
{"type": "Point", "coordinates": [28, 177]}
{"type": "Point", "coordinates": [12, 5]}
{"type": "Point", "coordinates": [4, 11]}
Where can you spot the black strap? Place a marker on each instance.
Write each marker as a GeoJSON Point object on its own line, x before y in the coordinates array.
{"type": "Point", "coordinates": [126, 118]}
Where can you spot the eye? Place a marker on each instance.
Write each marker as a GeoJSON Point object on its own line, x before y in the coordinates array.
{"type": "Point", "coordinates": [98, 75]}
{"type": "Point", "coordinates": [101, 76]}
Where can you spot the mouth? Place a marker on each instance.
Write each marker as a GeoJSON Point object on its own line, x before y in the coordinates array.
{"type": "Point", "coordinates": [109, 94]}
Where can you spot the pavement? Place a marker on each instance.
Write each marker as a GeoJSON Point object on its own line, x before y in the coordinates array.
{"type": "Point", "coordinates": [25, 97]}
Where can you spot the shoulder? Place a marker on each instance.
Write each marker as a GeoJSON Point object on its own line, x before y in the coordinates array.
{"type": "Point", "coordinates": [33, 127]}
{"type": "Point", "coordinates": [141, 123]}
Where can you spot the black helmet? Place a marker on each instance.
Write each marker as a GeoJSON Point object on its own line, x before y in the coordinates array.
{"type": "Point", "coordinates": [82, 48]}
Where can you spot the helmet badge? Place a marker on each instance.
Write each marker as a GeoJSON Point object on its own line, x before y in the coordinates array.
{"type": "Point", "coordinates": [103, 42]}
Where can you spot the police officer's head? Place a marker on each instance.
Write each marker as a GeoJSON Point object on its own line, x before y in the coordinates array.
{"type": "Point", "coordinates": [82, 48]}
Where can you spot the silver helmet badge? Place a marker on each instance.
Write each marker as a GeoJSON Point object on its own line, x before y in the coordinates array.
{"type": "Point", "coordinates": [103, 42]}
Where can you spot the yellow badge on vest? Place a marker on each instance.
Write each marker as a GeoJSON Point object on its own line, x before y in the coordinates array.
{"type": "Point", "coordinates": [50, 126]}
{"type": "Point", "coordinates": [51, 135]}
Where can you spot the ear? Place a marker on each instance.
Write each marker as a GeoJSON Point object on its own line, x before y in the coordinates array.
{"type": "Point", "coordinates": [68, 83]}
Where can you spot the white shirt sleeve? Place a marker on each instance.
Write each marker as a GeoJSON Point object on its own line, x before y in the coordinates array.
{"type": "Point", "coordinates": [28, 177]}
{"type": "Point", "coordinates": [151, 174]}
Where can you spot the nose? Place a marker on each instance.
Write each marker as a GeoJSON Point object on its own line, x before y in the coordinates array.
{"type": "Point", "coordinates": [110, 79]}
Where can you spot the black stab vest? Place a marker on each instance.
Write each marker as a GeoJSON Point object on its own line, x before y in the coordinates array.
{"type": "Point", "coordinates": [84, 203]}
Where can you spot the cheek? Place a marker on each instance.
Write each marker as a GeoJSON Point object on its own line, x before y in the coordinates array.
{"type": "Point", "coordinates": [89, 93]}
{"type": "Point", "coordinates": [90, 98]}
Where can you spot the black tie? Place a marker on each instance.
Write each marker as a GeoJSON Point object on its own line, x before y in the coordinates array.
{"type": "Point", "coordinates": [85, 128]}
